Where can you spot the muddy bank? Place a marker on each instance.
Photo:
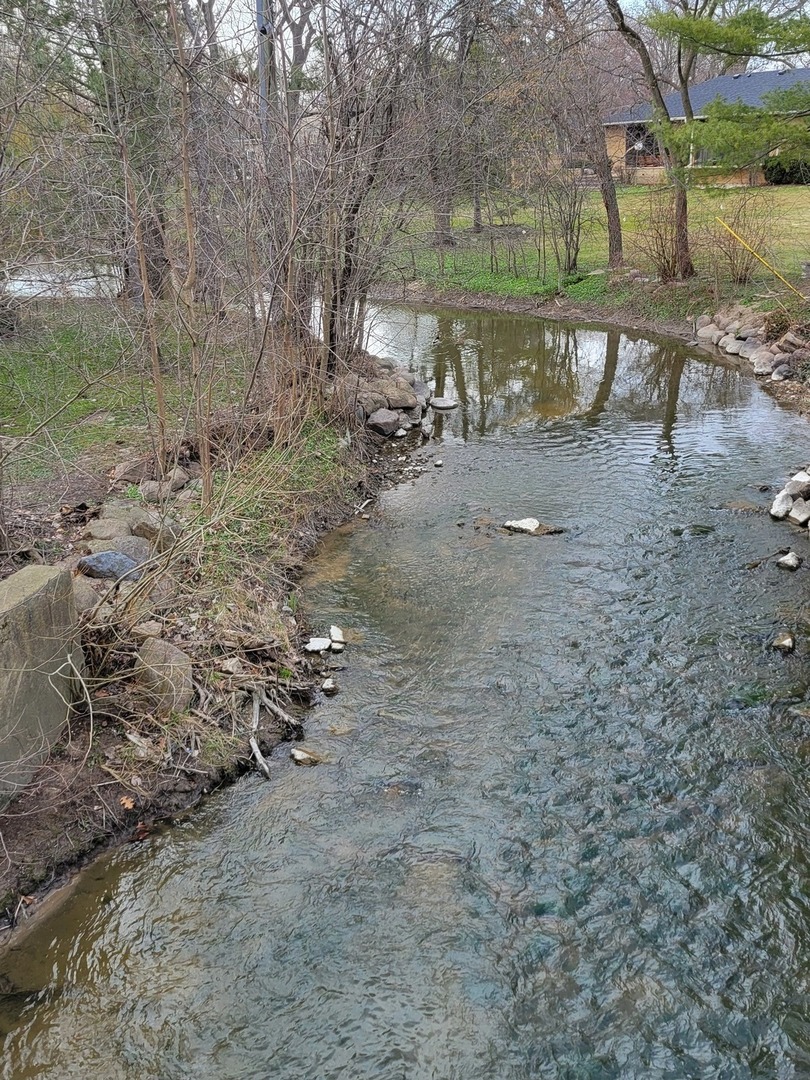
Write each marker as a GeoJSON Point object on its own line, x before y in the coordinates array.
{"type": "Point", "coordinates": [561, 308]}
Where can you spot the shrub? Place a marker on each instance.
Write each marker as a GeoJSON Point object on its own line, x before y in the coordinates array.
{"type": "Point", "coordinates": [779, 171]}
{"type": "Point", "coordinates": [748, 212]}
{"type": "Point", "coordinates": [776, 323]}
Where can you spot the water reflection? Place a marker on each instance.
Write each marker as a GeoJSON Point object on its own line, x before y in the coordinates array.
{"type": "Point", "coordinates": [562, 831]}
{"type": "Point", "coordinates": [508, 370]}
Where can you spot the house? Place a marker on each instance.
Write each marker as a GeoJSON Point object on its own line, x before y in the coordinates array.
{"type": "Point", "coordinates": [633, 148]}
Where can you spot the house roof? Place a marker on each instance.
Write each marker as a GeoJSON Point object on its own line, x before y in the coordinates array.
{"type": "Point", "coordinates": [746, 89]}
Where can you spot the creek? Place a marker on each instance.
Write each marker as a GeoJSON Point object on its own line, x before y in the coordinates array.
{"type": "Point", "coordinates": [562, 828]}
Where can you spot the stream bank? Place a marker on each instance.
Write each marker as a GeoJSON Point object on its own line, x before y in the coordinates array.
{"type": "Point", "coordinates": [138, 755]}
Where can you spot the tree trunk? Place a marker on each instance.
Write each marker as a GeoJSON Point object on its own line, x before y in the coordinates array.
{"type": "Point", "coordinates": [607, 187]}
{"type": "Point", "coordinates": [158, 269]}
{"type": "Point", "coordinates": [683, 256]}
{"type": "Point", "coordinates": [442, 220]}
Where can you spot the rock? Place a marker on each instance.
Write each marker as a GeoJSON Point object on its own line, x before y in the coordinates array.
{"type": "Point", "coordinates": [338, 646]}
{"type": "Point", "coordinates": [800, 356]}
{"type": "Point", "coordinates": [422, 390]}
{"type": "Point", "coordinates": [763, 362]}
{"type": "Point", "coordinates": [109, 564]}
{"type": "Point", "coordinates": [781, 506]}
{"type": "Point", "coordinates": [443, 403]}
{"type": "Point", "coordinates": [133, 470]}
{"type": "Point", "coordinates": [721, 322]}
{"type": "Point", "coordinates": [398, 393]}
{"type": "Point", "coordinates": [40, 662]}
{"type": "Point", "coordinates": [731, 345]}
{"type": "Point", "coordinates": [151, 628]}
{"type": "Point", "coordinates": [427, 430]}
{"type": "Point", "coordinates": [304, 757]}
{"type": "Point", "coordinates": [85, 596]}
{"type": "Point", "coordinates": [799, 513]}
{"type": "Point", "coordinates": [703, 321]}
{"type": "Point", "coordinates": [336, 634]}
{"type": "Point", "coordinates": [718, 336]}
{"type": "Point", "coordinates": [177, 478]}
{"type": "Point", "coordinates": [749, 347]}
{"type": "Point", "coordinates": [106, 529]}
{"type": "Point", "coordinates": [318, 644]}
{"type": "Point", "coordinates": [791, 561]}
{"type": "Point", "coordinates": [135, 546]}
{"type": "Point", "coordinates": [523, 525]}
{"type": "Point", "coordinates": [706, 330]}
{"type": "Point", "coordinates": [370, 401]}
{"type": "Point", "coordinates": [383, 421]}
{"type": "Point", "coordinates": [746, 332]}
{"type": "Point", "coordinates": [155, 491]}
{"type": "Point", "coordinates": [329, 686]}
{"type": "Point", "coordinates": [410, 377]}
{"type": "Point", "coordinates": [801, 477]}
{"type": "Point", "coordinates": [193, 470]}
{"type": "Point", "coordinates": [782, 373]}
{"type": "Point", "coordinates": [732, 327]}
{"type": "Point", "coordinates": [437, 464]}
{"type": "Point", "coordinates": [162, 532]}
{"type": "Point", "coordinates": [124, 510]}
{"type": "Point", "coordinates": [797, 488]}
{"type": "Point", "coordinates": [793, 340]}
{"type": "Point", "coordinates": [400, 433]}
{"type": "Point", "coordinates": [166, 673]}
{"type": "Point", "coordinates": [785, 642]}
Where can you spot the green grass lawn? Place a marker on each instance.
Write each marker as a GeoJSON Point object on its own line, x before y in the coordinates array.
{"type": "Point", "coordinates": [510, 258]}
{"type": "Point", "coordinates": [86, 371]}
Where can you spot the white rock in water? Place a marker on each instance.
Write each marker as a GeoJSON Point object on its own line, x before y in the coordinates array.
{"type": "Point", "coordinates": [400, 433]}
{"type": "Point", "coordinates": [524, 525]}
{"type": "Point", "coordinates": [802, 477]}
{"type": "Point", "coordinates": [443, 403]}
{"type": "Point", "coordinates": [336, 634]}
{"type": "Point", "coordinates": [329, 686]}
{"type": "Point", "coordinates": [791, 561]}
{"type": "Point", "coordinates": [338, 646]}
{"type": "Point", "coordinates": [784, 642]}
{"type": "Point", "coordinates": [304, 757]}
{"type": "Point", "coordinates": [318, 644]}
{"type": "Point", "coordinates": [799, 512]}
{"type": "Point", "coordinates": [438, 463]}
{"type": "Point", "coordinates": [781, 505]}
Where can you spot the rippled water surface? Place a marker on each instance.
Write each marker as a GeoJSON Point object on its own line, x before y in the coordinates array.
{"type": "Point", "coordinates": [563, 827]}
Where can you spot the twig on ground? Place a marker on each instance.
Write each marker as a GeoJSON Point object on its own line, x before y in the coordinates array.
{"type": "Point", "coordinates": [261, 760]}
{"type": "Point", "coordinates": [290, 721]}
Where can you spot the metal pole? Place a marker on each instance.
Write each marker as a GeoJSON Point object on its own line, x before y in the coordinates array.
{"type": "Point", "coordinates": [264, 30]}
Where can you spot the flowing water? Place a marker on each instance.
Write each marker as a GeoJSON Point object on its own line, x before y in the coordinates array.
{"type": "Point", "coordinates": [562, 831]}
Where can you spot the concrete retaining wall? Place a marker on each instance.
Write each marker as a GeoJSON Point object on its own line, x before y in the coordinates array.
{"type": "Point", "coordinates": [39, 658]}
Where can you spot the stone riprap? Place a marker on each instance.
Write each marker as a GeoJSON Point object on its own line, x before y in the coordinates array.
{"type": "Point", "coordinates": [394, 402]}
{"type": "Point", "coordinates": [40, 666]}
{"type": "Point", "coordinates": [744, 333]}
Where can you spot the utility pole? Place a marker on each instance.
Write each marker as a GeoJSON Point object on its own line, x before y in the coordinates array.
{"type": "Point", "coordinates": [265, 25]}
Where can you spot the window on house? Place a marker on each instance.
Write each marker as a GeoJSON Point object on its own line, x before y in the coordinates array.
{"type": "Point", "coordinates": [642, 147]}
